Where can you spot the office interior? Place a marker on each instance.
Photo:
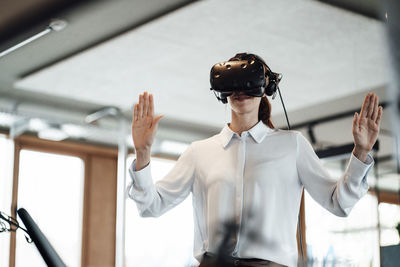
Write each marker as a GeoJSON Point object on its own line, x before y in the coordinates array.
{"type": "Point", "coordinates": [71, 72]}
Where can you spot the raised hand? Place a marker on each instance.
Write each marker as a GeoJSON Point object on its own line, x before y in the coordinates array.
{"type": "Point", "coordinates": [144, 128]}
{"type": "Point", "coordinates": [366, 126]}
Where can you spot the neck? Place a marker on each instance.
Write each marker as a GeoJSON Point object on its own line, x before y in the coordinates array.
{"type": "Point", "coordinates": [243, 122]}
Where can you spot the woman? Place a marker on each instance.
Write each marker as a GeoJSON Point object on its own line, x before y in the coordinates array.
{"type": "Point", "coordinates": [249, 175]}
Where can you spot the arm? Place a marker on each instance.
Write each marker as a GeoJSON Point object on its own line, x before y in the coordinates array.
{"type": "Point", "coordinates": [337, 196]}
{"type": "Point", "coordinates": [340, 196]}
{"type": "Point", "coordinates": [152, 200]}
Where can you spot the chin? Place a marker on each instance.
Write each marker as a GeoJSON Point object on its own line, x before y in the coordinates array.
{"type": "Point", "coordinates": [243, 109]}
{"type": "Point", "coordinates": [244, 106]}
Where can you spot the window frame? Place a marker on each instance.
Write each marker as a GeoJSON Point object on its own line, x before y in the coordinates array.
{"type": "Point", "coordinates": [90, 154]}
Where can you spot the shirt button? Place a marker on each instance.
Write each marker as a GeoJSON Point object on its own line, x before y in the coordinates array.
{"type": "Point", "coordinates": [236, 262]}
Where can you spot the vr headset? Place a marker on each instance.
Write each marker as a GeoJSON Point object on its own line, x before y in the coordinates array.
{"type": "Point", "coordinates": [247, 73]}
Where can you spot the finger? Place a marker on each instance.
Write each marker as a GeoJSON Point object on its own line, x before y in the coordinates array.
{"type": "Point", "coordinates": [151, 104]}
{"type": "Point", "coordinates": [145, 104]}
{"type": "Point", "coordinates": [156, 121]}
{"type": "Point", "coordinates": [370, 106]}
{"type": "Point", "coordinates": [378, 119]}
{"type": "Point", "coordinates": [135, 112]}
{"type": "Point", "coordinates": [375, 109]}
{"type": "Point", "coordinates": [355, 121]}
{"type": "Point", "coordinates": [140, 115]}
{"type": "Point", "coordinates": [364, 107]}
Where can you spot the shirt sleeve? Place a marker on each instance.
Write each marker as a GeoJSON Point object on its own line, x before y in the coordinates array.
{"type": "Point", "coordinates": [152, 200]}
{"type": "Point", "coordinates": [337, 196]}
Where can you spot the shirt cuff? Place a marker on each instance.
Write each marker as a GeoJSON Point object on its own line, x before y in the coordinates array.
{"type": "Point", "coordinates": [368, 161]}
{"type": "Point", "coordinates": [142, 178]}
{"type": "Point", "coordinates": [357, 168]}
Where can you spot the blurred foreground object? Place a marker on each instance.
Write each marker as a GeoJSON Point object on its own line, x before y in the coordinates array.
{"type": "Point", "coordinates": [391, 13]}
{"type": "Point", "coordinates": [47, 252]}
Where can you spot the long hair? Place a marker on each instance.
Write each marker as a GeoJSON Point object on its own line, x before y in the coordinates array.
{"type": "Point", "coordinates": [264, 110]}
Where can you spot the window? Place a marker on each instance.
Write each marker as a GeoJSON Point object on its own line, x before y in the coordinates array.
{"type": "Point", "coordinates": [51, 189]}
{"type": "Point", "coordinates": [343, 241]}
{"type": "Point", "coordinates": [389, 217]}
{"type": "Point", "coordinates": [164, 241]}
{"type": "Point", "coordinates": [6, 168]}
{"type": "Point", "coordinates": [349, 241]}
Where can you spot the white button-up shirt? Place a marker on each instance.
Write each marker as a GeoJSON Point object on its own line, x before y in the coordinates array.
{"type": "Point", "coordinates": [254, 180]}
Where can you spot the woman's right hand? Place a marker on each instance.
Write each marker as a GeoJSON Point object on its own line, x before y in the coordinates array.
{"type": "Point", "coordinates": [144, 126]}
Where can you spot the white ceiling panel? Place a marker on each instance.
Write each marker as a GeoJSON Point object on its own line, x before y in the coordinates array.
{"type": "Point", "coordinates": [323, 52]}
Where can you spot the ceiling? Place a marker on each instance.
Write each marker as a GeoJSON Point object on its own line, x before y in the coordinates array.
{"type": "Point", "coordinates": [111, 51]}
{"type": "Point", "coordinates": [164, 57]}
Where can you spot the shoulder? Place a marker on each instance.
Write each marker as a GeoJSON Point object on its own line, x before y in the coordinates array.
{"type": "Point", "coordinates": [289, 137]}
{"type": "Point", "coordinates": [202, 148]}
{"type": "Point", "coordinates": [287, 133]}
{"type": "Point", "coordinates": [205, 143]}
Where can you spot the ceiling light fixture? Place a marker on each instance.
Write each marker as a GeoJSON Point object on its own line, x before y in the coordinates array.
{"type": "Point", "coordinates": [53, 133]}
{"type": "Point", "coordinates": [55, 25]}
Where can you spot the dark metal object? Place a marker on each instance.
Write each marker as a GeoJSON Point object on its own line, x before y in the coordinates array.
{"type": "Point", "coordinates": [329, 118]}
{"type": "Point", "coordinates": [48, 253]}
{"type": "Point", "coordinates": [17, 18]}
{"type": "Point", "coordinates": [13, 225]}
{"type": "Point", "coordinates": [340, 150]}
{"type": "Point", "coordinates": [368, 8]}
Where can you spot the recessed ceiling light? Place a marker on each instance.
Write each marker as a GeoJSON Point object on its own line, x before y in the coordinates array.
{"type": "Point", "coordinates": [54, 134]}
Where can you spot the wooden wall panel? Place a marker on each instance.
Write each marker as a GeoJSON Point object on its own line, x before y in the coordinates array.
{"type": "Point", "coordinates": [99, 207]}
{"type": "Point", "coordinates": [13, 235]}
{"type": "Point", "coordinates": [387, 196]}
{"type": "Point", "coordinates": [98, 240]}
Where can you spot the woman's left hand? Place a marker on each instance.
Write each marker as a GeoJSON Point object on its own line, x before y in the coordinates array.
{"type": "Point", "coordinates": [366, 126]}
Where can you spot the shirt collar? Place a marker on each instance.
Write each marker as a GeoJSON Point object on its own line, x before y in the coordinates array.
{"type": "Point", "coordinates": [258, 132]}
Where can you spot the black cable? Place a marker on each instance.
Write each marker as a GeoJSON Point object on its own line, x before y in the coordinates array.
{"type": "Point", "coordinates": [12, 222]}
{"type": "Point", "coordinates": [284, 109]}
{"type": "Point", "coordinates": [299, 217]}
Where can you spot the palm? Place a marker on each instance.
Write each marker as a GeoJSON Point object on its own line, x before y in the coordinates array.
{"type": "Point", "coordinates": [366, 125]}
{"type": "Point", "coordinates": [141, 132]}
{"type": "Point", "coordinates": [144, 124]}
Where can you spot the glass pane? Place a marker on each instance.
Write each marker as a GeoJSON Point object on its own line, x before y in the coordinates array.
{"type": "Point", "coordinates": [164, 241]}
{"type": "Point", "coordinates": [349, 241]}
{"type": "Point", "coordinates": [51, 190]}
{"type": "Point", "coordinates": [389, 215]}
{"type": "Point", "coordinates": [6, 168]}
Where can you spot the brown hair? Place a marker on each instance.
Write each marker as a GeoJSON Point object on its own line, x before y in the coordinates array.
{"type": "Point", "coordinates": [264, 112]}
